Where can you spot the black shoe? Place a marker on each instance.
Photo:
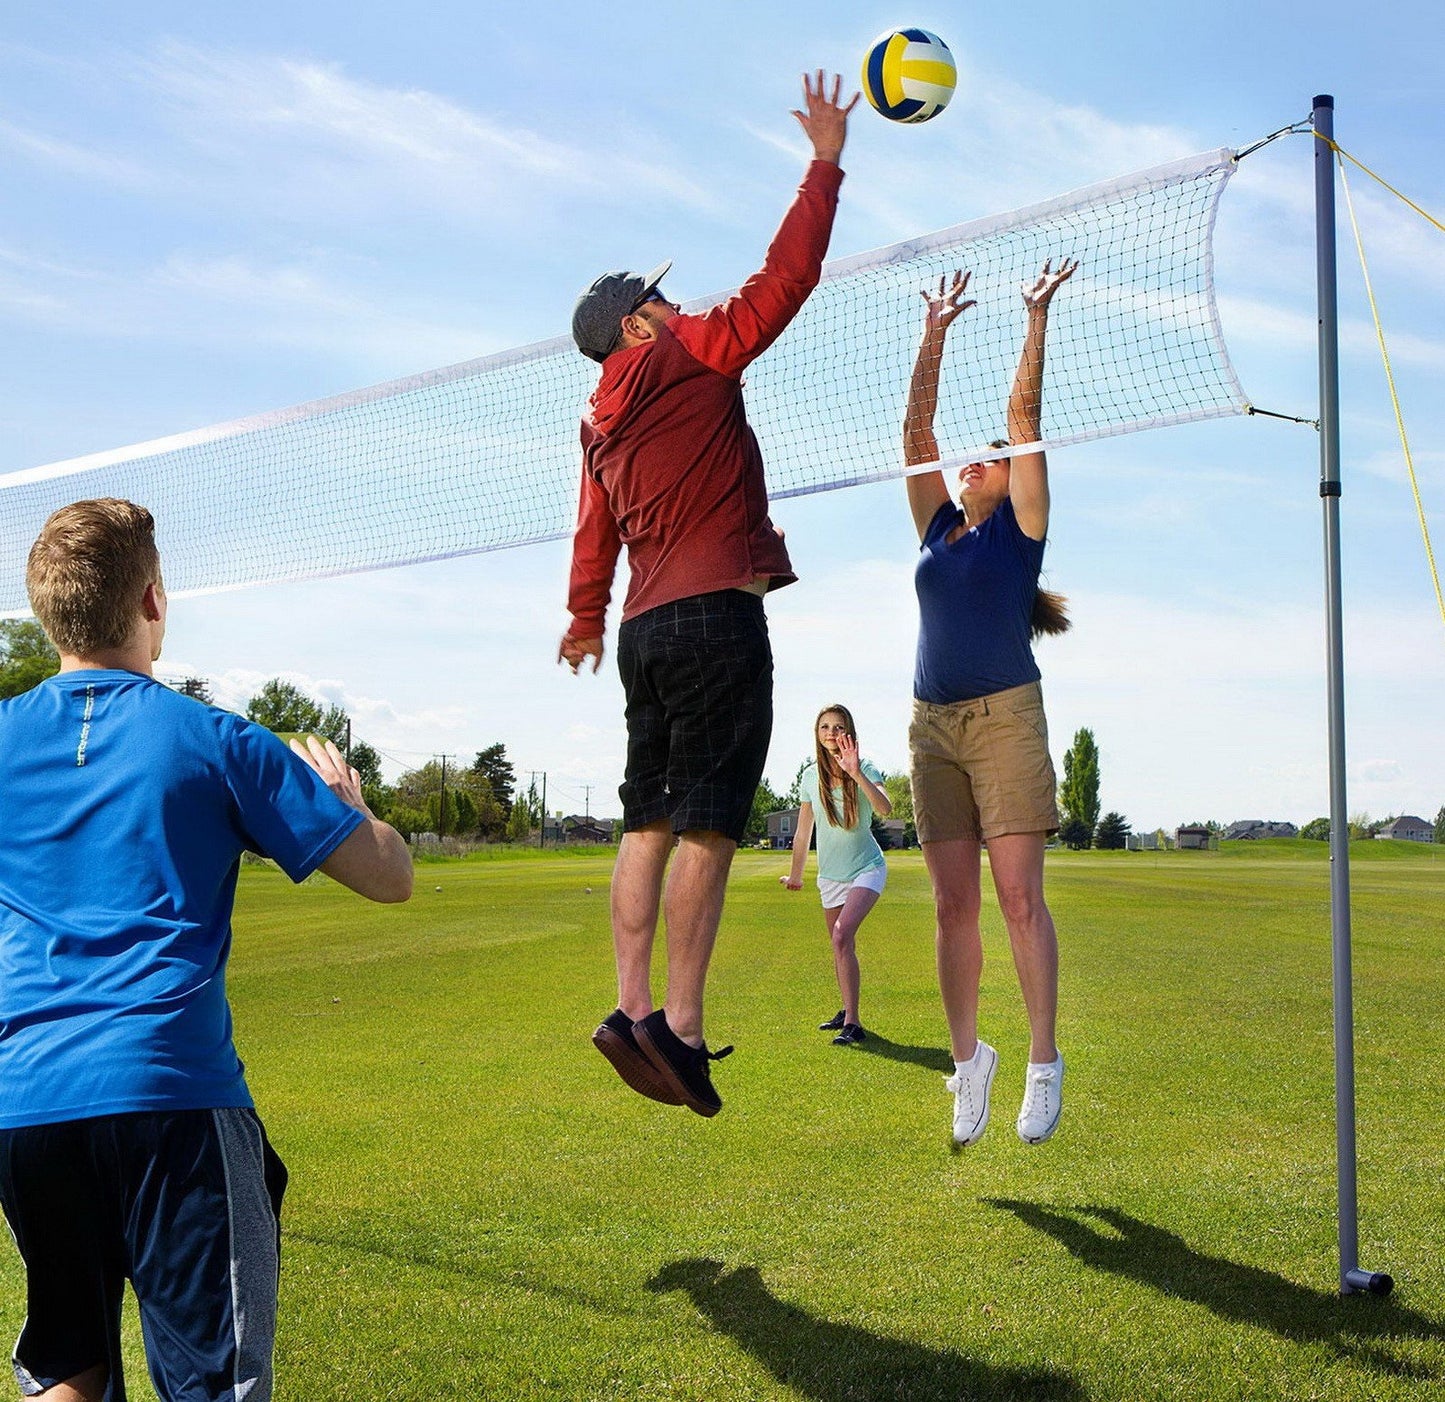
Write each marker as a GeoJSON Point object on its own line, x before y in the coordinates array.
{"type": "Point", "coordinates": [683, 1069]}
{"type": "Point", "coordinates": [833, 1023]}
{"type": "Point", "coordinates": [615, 1041]}
{"type": "Point", "coordinates": [851, 1033]}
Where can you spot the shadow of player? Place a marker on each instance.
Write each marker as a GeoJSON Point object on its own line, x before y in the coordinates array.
{"type": "Point", "coordinates": [842, 1362]}
{"type": "Point", "coordinates": [1109, 1240]}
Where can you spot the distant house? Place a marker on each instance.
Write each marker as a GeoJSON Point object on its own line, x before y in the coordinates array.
{"type": "Point", "coordinates": [892, 835]}
{"type": "Point", "coordinates": [1408, 829]}
{"type": "Point", "coordinates": [781, 827]}
{"type": "Point", "coordinates": [586, 829]}
{"type": "Point", "coordinates": [1192, 839]}
{"type": "Point", "coordinates": [1252, 829]}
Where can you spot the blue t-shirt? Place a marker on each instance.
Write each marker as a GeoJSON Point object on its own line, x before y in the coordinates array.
{"type": "Point", "coordinates": [975, 603]}
{"type": "Point", "coordinates": [126, 807]}
{"type": "Point", "coordinates": [843, 853]}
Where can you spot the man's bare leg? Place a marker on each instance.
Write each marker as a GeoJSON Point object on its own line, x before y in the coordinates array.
{"type": "Point", "coordinates": [695, 889]}
{"type": "Point", "coordinates": [636, 898]}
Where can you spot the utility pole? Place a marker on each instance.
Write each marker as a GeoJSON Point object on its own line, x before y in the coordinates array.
{"type": "Point", "coordinates": [348, 739]}
{"type": "Point", "coordinates": [587, 801]}
{"type": "Point", "coordinates": [542, 832]}
{"type": "Point", "coordinates": [442, 807]}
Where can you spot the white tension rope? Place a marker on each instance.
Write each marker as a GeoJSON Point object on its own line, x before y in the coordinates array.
{"type": "Point", "coordinates": [484, 455]}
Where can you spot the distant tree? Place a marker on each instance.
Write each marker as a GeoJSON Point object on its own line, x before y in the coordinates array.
{"type": "Point", "coordinates": [1112, 832]}
{"type": "Point", "coordinates": [366, 762]}
{"type": "Point", "coordinates": [283, 706]}
{"type": "Point", "coordinates": [900, 795]}
{"type": "Point", "coordinates": [793, 798]}
{"type": "Point", "coordinates": [526, 814]}
{"type": "Point", "coordinates": [1363, 826]}
{"type": "Point", "coordinates": [1212, 827]}
{"type": "Point", "coordinates": [1074, 834]}
{"type": "Point", "coordinates": [469, 808]}
{"type": "Point", "coordinates": [493, 766]}
{"type": "Point", "coordinates": [1316, 830]}
{"type": "Point", "coordinates": [1440, 826]}
{"type": "Point", "coordinates": [26, 656]}
{"type": "Point", "coordinates": [1079, 793]}
{"type": "Point", "coordinates": [765, 801]}
{"type": "Point", "coordinates": [409, 821]}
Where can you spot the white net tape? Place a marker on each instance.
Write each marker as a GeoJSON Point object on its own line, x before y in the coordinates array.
{"type": "Point", "coordinates": [484, 455]}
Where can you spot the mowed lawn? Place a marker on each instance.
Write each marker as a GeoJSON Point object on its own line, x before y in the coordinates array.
{"type": "Point", "coordinates": [480, 1209]}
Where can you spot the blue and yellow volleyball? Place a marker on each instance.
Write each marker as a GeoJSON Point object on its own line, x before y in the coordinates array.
{"type": "Point", "coordinates": [909, 75]}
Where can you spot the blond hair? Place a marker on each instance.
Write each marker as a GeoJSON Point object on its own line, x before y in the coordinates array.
{"type": "Point", "coordinates": [88, 571]}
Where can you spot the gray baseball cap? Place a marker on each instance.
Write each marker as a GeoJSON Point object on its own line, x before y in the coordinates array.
{"type": "Point", "coordinates": [599, 311]}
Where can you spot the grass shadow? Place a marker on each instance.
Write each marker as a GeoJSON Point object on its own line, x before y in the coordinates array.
{"type": "Point", "coordinates": [832, 1362]}
{"type": "Point", "coordinates": [930, 1058]}
{"type": "Point", "coordinates": [1109, 1240]}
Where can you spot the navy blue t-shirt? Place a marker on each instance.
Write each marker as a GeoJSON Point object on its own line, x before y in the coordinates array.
{"type": "Point", "coordinates": [975, 602]}
{"type": "Point", "coordinates": [126, 808]}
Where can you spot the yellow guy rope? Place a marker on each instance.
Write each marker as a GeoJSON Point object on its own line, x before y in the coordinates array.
{"type": "Point", "coordinates": [1341, 155]}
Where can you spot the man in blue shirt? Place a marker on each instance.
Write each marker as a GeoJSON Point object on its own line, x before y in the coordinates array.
{"type": "Point", "coordinates": [129, 1144]}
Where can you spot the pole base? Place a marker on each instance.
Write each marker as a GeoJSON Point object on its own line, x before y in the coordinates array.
{"type": "Point", "coordinates": [1375, 1282]}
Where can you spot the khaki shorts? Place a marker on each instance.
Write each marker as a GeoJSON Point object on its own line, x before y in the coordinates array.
{"type": "Point", "coordinates": [981, 768]}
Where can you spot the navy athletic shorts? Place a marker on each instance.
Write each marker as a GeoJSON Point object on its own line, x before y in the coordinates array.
{"type": "Point", "coordinates": [698, 676]}
{"type": "Point", "coordinates": [185, 1204]}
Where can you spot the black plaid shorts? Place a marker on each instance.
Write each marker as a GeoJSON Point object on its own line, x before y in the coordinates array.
{"type": "Point", "coordinates": [698, 677]}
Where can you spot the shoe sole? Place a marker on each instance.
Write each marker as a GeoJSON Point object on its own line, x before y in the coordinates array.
{"type": "Point", "coordinates": [675, 1084]}
{"type": "Point", "coordinates": [634, 1068]}
{"type": "Point", "coordinates": [987, 1094]}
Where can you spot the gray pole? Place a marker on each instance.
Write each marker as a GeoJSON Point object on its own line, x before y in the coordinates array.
{"type": "Point", "coordinates": [1352, 1278]}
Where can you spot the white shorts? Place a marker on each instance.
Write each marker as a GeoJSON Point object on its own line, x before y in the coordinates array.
{"type": "Point", "coordinates": [834, 893]}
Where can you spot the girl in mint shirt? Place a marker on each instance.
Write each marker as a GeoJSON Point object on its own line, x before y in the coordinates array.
{"type": "Point", "coordinates": [851, 871]}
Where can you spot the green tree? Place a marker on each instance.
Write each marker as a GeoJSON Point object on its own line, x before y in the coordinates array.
{"type": "Point", "coordinates": [282, 706]}
{"type": "Point", "coordinates": [1440, 826]}
{"type": "Point", "coordinates": [765, 801]}
{"type": "Point", "coordinates": [470, 807]}
{"type": "Point", "coordinates": [493, 765]}
{"type": "Point", "coordinates": [793, 798]}
{"type": "Point", "coordinates": [1316, 830]}
{"type": "Point", "coordinates": [1112, 834]}
{"type": "Point", "coordinates": [1079, 793]}
{"type": "Point", "coordinates": [900, 795]}
{"type": "Point", "coordinates": [366, 762]}
{"type": "Point", "coordinates": [26, 656]}
{"type": "Point", "coordinates": [1074, 834]}
{"type": "Point", "coordinates": [526, 814]}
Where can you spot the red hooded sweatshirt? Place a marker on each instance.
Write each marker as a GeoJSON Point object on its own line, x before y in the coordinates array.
{"type": "Point", "coordinates": [670, 468]}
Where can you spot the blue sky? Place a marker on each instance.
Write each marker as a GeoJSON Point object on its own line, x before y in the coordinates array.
{"type": "Point", "coordinates": [214, 211]}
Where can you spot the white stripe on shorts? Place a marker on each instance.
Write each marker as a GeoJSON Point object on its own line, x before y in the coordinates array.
{"type": "Point", "coordinates": [255, 1263]}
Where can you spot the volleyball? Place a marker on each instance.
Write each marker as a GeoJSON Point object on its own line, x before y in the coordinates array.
{"type": "Point", "coordinates": [909, 75]}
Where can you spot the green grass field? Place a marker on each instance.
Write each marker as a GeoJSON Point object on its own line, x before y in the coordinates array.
{"type": "Point", "coordinates": [480, 1209]}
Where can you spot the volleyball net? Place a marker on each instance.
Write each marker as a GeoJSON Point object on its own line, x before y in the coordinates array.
{"type": "Point", "coordinates": [484, 455]}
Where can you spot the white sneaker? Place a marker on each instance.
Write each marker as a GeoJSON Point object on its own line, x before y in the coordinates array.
{"type": "Point", "coordinates": [970, 1087]}
{"type": "Point", "coordinates": [1043, 1100]}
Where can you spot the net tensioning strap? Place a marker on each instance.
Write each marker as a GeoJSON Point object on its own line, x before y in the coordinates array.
{"type": "Point", "coordinates": [484, 455]}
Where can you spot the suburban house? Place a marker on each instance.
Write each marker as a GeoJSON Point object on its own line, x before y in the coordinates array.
{"type": "Point", "coordinates": [1251, 829]}
{"type": "Point", "coordinates": [1192, 839]}
{"type": "Point", "coordinates": [1408, 828]}
{"type": "Point", "coordinates": [781, 827]}
{"type": "Point", "coordinates": [586, 829]}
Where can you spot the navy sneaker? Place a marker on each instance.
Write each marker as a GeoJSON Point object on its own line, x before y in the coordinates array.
{"type": "Point", "coordinates": [834, 1022]}
{"type": "Point", "coordinates": [683, 1069]}
{"type": "Point", "coordinates": [851, 1033]}
{"type": "Point", "coordinates": [615, 1041]}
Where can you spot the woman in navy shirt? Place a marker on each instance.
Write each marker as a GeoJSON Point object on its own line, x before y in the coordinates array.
{"type": "Point", "coordinates": [978, 741]}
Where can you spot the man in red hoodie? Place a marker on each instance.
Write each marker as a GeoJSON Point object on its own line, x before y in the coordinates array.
{"type": "Point", "coordinates": [672, 470]}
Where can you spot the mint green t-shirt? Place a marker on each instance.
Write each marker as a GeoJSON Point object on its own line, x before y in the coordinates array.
{"type": "Point", "coordinates": [843, 853]}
